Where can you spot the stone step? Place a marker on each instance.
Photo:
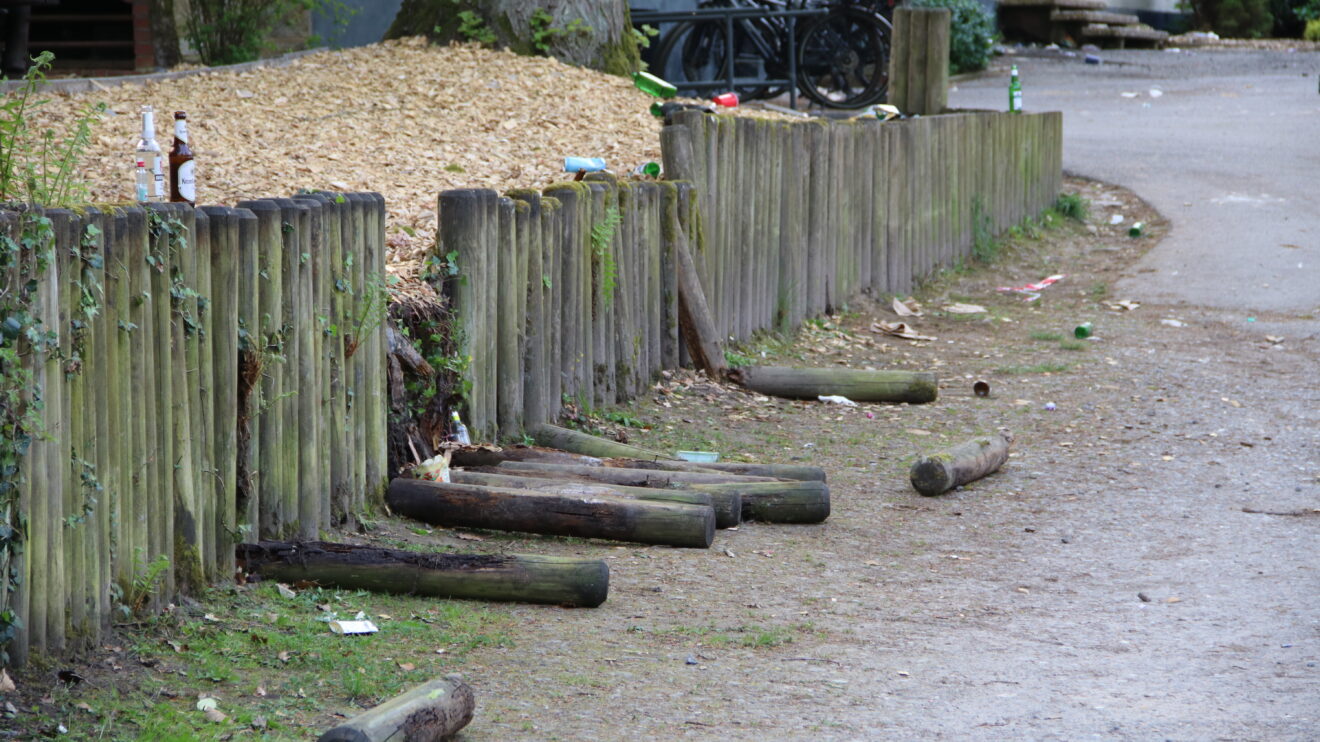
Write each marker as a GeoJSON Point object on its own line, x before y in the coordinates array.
{"type": "Point", "coordinates": [1094, 16]}
{"type": "Point", "coordinates": [1134, 33]}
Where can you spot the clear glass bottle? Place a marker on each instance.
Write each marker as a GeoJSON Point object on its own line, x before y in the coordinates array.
{"type": "Point", "coordinates": [148, 150]}
{"type": "Point", "coordinates": [460, 430]}
{"type": "Point", "coordinates": [183, 178]}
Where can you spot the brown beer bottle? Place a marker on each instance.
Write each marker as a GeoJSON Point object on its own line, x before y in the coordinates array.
{"type": "Point", "coordinates": [183, 177]}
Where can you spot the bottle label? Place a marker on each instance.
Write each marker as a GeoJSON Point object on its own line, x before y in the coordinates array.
{"type": "Point", "coordinates": [188, 181]}
{"type": "Point", "coordinates": [1017, 101]}
{"type": "Point", "coordinates": [159, 176]}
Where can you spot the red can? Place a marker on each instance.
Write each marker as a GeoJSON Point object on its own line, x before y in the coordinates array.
{"type": "Point", "coordinates": [728, 100]}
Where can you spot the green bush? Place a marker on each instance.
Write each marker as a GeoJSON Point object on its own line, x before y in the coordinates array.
{"type": "Point", "coordinates": [971, 33]}
{"type": "Point", "coordinates": [1312, 32]}
{"type": "Point", "coordinates": [1235, 19]}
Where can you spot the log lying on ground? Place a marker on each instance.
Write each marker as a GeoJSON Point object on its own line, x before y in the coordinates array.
{"type": "Point", "coordinates": [728, 507]}
{"type": "Point", "coordinates": [489, 456]}
{"type": "Point", "coordinates": [778, 502]}
{"type": "Point", "coordinates": [746, 469]}
{"type": "Point", "coordinates": [428, 713]}
{"type": "Point", "coordinates": [619, 519]}
{"type": "Point", "coordinates": [855, 384]}
{"type": "Point", "coordinates": [553, 436]}
{"type": "Point", "coordinates": [631, 477]}
{"type": "Point", "coordinates": [961, 464]}
{"type": "Point", "coordinates": [508, 577]}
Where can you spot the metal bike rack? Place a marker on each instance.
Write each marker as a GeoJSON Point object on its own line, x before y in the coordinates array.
{"type": "Point", "coordinates": [728, 16]}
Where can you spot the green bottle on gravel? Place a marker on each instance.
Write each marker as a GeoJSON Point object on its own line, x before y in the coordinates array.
{"type": "Point", "coordinates": [1014, 92]}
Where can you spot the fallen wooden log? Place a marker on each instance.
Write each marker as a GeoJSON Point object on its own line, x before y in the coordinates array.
{"type": "Point", "coordinates": [727, 507]}
{"type": "Point", "coordinates": [855, 384]}
{"type": "Point", "coordinates": [778, 502]}
{"type": "Point", "coordinates": [632, 477]}
{"type": "Point", "coordinates": [744, 469]}
{"type": "Point", "coordinates": [553, 436]}
{"type": "Point", "coordinates": [491, 456]}
{"type": "Point", "coordinates": [428, 713]}
{"type": "Point", "coordinates": [959, 465]}
{"type": "Point", "coordinates": [596, 516]}
{"type": "Point", "coordinates": [507, 577]}
{"type": "Point", "coordinates": [696, 324]}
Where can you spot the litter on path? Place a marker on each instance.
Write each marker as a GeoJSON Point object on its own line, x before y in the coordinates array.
{"type": "Point", "coordinates": [1032, 291]}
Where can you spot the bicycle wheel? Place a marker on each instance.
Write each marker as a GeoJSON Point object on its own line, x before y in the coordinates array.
{"type": "Point", "coordinates": [698, 50]}
{"type": "Point", "coordinates": [844, 59]}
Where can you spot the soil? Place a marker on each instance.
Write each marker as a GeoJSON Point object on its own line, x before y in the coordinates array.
{"type": "Point", "coordinates": [1142, 567]}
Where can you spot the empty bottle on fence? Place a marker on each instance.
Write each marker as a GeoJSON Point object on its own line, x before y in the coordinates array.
{"type": "Point", "coordinates": [1014, 92]}
{"type": "Point", "coordinates": [149, 152]}
{"type": "Point", "coordinates": [183, 178]}
{"type": "Point", "coordinates": [142, 182]}
{"type": "Point", "coordinates": [648, 83]}
{"type": "Point", "coordinates": [648, 168]}
{"type": "Point", "coordinates": [460, 430]}
{"type": "Point", "coordinates": [583, 164]}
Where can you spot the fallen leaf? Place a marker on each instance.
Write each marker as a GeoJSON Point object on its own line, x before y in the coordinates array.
{"type": "Point", "coordinates": [260, 692]}
{"type": "Point", "coordinates": [1174, 600]}
{"type": "Point", "coordinates": [285, 591]}
{"type": "Point", "coordinates": [899, 329]}
{"type": "Point", "coordinates": [1173, 323]}
{"type": "Point", "coordinates": [964, 309]}
{"type": "Point", "coordinates": [918, 431]}
{"type": "Point", "coordinates": [1125, 304]}
{"type": "Point", "coordinates": [1276, 339]}
{"type": "Point", "coordinates": [467, 536]}
{"type": "Point", "coordinates": [83, 705]}
{"type": "Point", "coordinates": [909, 308]}
{"type": "Point", "coordinates": [407, 666]}
{"type": "Point", "coordinates": [210, 617]}
{"type": "Point", "coordinates": [6, 682]}
{"type": "Point", "coordinates": [283, 656]}
{"type": "Point", "coordinates": [729, 553]}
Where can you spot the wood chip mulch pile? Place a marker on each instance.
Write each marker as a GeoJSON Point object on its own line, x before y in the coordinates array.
{"type": "Point", "coordinates": [404, 118]}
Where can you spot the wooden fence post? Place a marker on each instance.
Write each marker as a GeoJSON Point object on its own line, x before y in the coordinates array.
{"type": "Point", "coordinates": [919, 60]}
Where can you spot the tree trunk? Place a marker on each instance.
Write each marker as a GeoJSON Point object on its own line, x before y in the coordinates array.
{"type": "Point", "coordinates": [474, 506]}
{"type": "Point", "coordinates": [428, 713]}
{"type": "Point", "coordinates": [855, 384]}
{"type": "Point", "coordinates": [553, 436]}
{"type": "Point", "coordinates": [728, 507]}
{"type": "Point", "coordinates": [164, 33]}
{"type": "Point", "coordinates": [959, 465]}
{"type": "Point", "coordinates": [591, 33]}
{"type": "Point", "coordinates": [527, 579]}
{"type": "Point", "coordinates": [778, 502]}
{"type": "Point", "coordinates": [631, 477]}
{"type": "Point", "coordinates": [802, 473]}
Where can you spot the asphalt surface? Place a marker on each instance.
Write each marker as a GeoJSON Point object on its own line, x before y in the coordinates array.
{"type": "Point", "coordinates": [1224, 143]}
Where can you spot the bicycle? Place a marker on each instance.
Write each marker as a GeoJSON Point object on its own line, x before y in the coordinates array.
{"type": "Point", "coordinates": [843, 54]}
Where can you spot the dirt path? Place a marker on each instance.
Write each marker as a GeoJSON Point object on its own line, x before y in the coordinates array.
{"type": "Point", "coordinates": [1114, 581]}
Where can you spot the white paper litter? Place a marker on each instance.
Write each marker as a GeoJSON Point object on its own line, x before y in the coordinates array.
{"type": "Point", "coordinates": [836, 399]}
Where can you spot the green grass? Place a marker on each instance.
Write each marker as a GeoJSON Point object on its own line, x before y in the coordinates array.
{"type": "Point", "coordinates": [1046, 336]}
{"type": "Point", "coordinates": [750, 636]}
{"type": "Point", "coordinates": [1072, 345]}
{"type": "Point", "coordinates": [1039, 368]}
{"type": "Point", "coordinates": [1072, 206]}
{"type": "Point", "coordinates": [271, 661]}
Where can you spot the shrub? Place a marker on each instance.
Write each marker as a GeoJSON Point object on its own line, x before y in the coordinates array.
{"type": "Point", "coordinates": [1312, 32]}
{"type": "Point", "coordinates": [232, 31]}
{"type": "Point", "coordinates": [971, 33]}
{"type": "Point", "coordinates": [1238, 19]}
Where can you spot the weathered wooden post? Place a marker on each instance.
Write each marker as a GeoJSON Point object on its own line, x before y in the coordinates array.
{"type": "Point", "coordinates": [919, 61]}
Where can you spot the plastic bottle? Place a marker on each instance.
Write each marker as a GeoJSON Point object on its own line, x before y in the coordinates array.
{"type": "Point", "coordinates": [1014, 92]}
{"type": "Point", "coordinates": [142, 182]}
{"type": "Point", "coordinates": [648, 83]}
{"type": "Point", "coordinates": [460, 430]}
{"type": "Point", "coordinates": [583, 164]}
{"type": "Point", "coordinates": [728, 100]}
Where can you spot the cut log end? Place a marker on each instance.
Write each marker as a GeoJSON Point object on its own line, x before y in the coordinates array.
{"type": "Point", "coordinates": [941, 472]}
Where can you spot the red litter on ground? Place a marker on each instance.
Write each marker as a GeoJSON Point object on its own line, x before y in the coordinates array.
{"type": "Point", "coordinates": [728, 100]}
{"type": "Point", "coordinates": [1032, 291]}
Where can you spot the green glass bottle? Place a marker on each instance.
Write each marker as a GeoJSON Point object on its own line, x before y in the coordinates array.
{"type": "Point", "coordinates": [1014, 92]}
{"type": "Point", "coordinates": [649, 83]}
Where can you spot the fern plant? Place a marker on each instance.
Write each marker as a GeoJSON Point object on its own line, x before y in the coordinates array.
{"type": "Point", "coordinates": [602, 233]}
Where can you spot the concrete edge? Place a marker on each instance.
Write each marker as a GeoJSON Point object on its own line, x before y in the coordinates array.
{"type": "Point", "coordinates": [91, 84]}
